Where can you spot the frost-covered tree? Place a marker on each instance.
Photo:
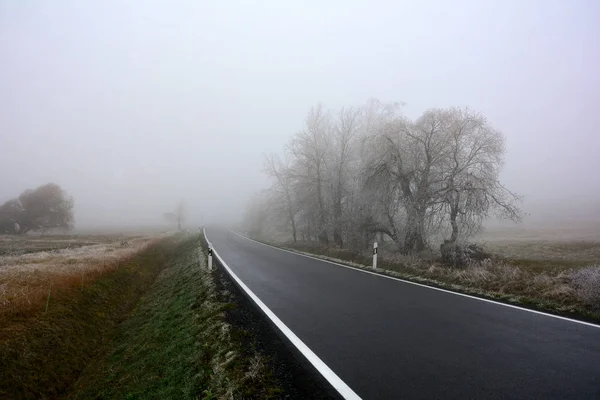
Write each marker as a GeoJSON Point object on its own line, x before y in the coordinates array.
{"type": "Point", "coordinates": [471, 190]}
{"type": "Point", "coordinates": [309, 150]}
{"type": "Point", "coordinates": [341, 165]}
{"type": "Point", "coordinates": [370, 170]}
{"type": "Point", "coordinates": [282, 191]}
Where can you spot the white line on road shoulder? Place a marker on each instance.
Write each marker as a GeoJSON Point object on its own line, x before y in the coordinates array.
{"type": "Point", "coordinates": [425, 286]}
{"type": "Point", "coordinates": [339, 385]}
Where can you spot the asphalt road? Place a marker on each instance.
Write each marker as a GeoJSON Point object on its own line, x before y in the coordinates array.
{"type": "Point", "coordinates": [388, 339]}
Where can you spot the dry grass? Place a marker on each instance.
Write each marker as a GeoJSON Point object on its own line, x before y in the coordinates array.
{"type": "Point", "coordinates": [565, 289]}
{"type": "Point", "coordinates": [19, 245]}
{"type": "Point", "coordinates": [42, 353]}
{"type": "Point", "coordinates": [26, 276]}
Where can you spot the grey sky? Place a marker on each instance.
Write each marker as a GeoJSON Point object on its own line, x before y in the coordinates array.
{"type": "Point", "coordinates": [131, 106]}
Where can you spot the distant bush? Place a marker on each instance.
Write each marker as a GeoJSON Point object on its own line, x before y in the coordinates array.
{"type": "Point", "coordinates": [458, 255]}
{"type": "Point", "coordinates": [587, 285]}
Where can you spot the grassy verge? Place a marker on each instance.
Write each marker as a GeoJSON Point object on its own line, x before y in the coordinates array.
{"type": "Point", "coordinates": [574, 293]}
{"type": "Point", "coordinates": [177, 345]}
{"type": "Point", "coordinates": [42, 353]}
{"type": "Point", "coordinates": [253, 332]}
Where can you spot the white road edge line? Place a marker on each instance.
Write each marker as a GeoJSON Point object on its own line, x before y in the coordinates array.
{"type": "Point", "coordinates": [338, 384]}
{"type": "Point", "coordinates": [425, 286]}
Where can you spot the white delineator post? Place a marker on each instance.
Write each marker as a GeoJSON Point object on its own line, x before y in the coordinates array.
{"type": "Point", "coordinates": [374, 255]}
{"type": "Point", "coordinates": [210, 254]}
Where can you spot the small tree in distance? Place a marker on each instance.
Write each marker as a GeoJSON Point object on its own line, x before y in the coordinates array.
{"type": "Point", "coordinates": [177, 216]}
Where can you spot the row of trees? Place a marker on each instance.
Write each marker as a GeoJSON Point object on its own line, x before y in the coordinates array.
{"type": "Point", "coordinates": [44, 208]}
{"type": "Point", "coordinates": [359, 172]}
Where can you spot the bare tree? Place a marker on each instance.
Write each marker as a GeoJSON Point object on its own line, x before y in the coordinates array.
{"type": "Point", "coordinates": [376, 199]}
{"type": "Point", "coordinates": [471, 189]}
{"type": "Point", "coordinates": [283, 187]}
{"type": "Point", "coordinates": [309, 149]}
{"type": "Point", "coordinates": [178, 215]}
{"type": "Point", "coordinates": [371, 171]}
{"type": "Point", "coordinates": [339, 165]}
{"type": "Point", "coordinates": [400, 172]}
{"type": "Point", "coordinates": [256, 215]}
{"type": "Point", "coordinates": [444, 165]}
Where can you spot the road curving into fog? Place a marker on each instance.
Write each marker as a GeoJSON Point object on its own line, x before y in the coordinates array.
{"type": "Point", "coordinates": [388, 339]}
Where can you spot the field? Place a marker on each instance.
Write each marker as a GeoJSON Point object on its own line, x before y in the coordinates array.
{"type": "Point", "coordinates": [148, 322]}
{"type": "Point", "coordinates": [29, 265]}
{"type": "Point", "coordinates": [545, 246]}
{"type": "Point", "coordinates": [60, 307]}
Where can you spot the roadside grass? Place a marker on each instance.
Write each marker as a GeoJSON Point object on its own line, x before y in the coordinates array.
{"type": "Point", "coordinates": [177, 345]}
{"type": "Point", "coordinates": [562, 287]}
{"type": "Point", "coordinates": [43, 353]}
{"type": "Point", "coordinates": [27, 277]}
{"type": "Point", "coordinates": [539, 266]}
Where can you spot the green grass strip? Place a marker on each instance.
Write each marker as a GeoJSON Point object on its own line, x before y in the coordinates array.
{"type": "Point", "coordinates": [176, 345]}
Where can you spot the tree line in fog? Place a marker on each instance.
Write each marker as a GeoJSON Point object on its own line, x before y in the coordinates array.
{"type": "Point", "coordinates": [358, 172]}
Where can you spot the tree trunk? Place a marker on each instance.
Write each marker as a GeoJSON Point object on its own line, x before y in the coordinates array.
{"type": "Point", "coordinates": [291, 216]}
{"type": "Point", "coordinates": [337, 211]}
{"type": "Point", "coordinates": [415, 240]}
{"type": "Point", "coordinates": [323, 237]}
{"type": "Point", "coordinates": [454, 203]}
{"type": "Point", "coordinates": [453, 215]}
{"type": "Point", "coordinates": [337, 230]}
{"type": "Point", "coordinates": [337, 237]}
{"type": "Point", "coordinates": [294, 231]}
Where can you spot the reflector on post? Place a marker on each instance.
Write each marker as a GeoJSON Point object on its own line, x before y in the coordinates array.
{"type": "Point", "coordinates": [374, 255]}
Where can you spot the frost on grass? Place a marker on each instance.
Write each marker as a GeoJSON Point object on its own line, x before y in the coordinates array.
{"type": "Point", "coordinates": [232, 376]}
{"type": "Point", "coordinates": [25, 279]}
{"type": "Point", "coordinates": [474, 274]}
{"type": "Point", "coordinates": [586, 282]}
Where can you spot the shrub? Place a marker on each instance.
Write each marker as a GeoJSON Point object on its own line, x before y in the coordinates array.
{"type": "Point", "coordinates": [586, 282]}
{"type": "Point", "coordinates": [457, 255]}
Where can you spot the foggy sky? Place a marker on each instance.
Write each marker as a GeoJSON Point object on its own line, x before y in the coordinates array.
{"type": "Point", "coordinates": [133, 105]}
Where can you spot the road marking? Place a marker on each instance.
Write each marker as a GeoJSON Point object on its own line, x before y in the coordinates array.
{"type": "Point", "coordinates": [425, 286]}
{"type": "Point", "coordinates": [338, 384]}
